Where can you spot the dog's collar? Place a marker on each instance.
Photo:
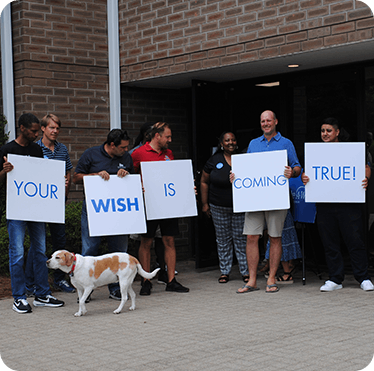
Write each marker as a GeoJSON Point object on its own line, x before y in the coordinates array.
{"type": "Point", "coordinates": [71, 274]}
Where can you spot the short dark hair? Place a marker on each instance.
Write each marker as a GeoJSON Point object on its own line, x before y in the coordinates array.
{"type": "Point", "coordinates": [116, 136]}
{"type": "Point", "coordinates": [343, 134]}
{"type": "Point", "coordinates": [27, 119]}
{"type": "Point", "coordinates": [50, 117]}
{"type": "Point", "coordinates": [159, 127]}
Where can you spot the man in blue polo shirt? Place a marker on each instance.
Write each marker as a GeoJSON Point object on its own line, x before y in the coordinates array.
{"type": "Point", "coordinates": [110, 158]}
{"type": "Point", "coordinates": [255, 221]}
{"type": "Point", "coordinates": [54, 150]}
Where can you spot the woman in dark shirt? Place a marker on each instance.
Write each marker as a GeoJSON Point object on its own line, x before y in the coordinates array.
{"type": "Point", "coordinates": [216, 197]}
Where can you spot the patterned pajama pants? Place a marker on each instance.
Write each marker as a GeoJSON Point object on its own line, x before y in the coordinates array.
{"type": "Point", "coordinates": [229, 237]}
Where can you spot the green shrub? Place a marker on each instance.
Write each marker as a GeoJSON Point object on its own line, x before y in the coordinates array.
{"type": "Point", "coordinates": [72, 231]}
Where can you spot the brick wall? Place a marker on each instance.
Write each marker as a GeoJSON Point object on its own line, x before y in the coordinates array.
{"type": "Point", "coordinates": [160, 38]}
{"type": "Point", "coordinates": [61, 67]}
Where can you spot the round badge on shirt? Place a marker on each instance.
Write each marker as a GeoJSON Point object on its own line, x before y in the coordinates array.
{"type": "Point", "coordinates": [219, 165]}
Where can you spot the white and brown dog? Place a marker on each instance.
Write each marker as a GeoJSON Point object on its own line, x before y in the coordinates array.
{"type": "Point", "coordinates": [88, 272]}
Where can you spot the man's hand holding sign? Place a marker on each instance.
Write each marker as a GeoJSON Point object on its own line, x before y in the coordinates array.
{"type": "Point", "coordinates": [265, 182]}
{"type": "Point", "coordinates": [156, 149]}
{"type": "Point", "coordinates": [261, 181]}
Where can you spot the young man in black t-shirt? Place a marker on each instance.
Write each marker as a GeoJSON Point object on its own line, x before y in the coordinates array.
{"type": "Point", "coordinates": [24, 145]}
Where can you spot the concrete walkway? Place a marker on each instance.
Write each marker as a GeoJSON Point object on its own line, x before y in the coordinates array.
{"type": "Point", "coordinates": [210, 328]}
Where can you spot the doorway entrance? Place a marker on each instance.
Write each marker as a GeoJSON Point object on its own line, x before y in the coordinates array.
{"type": "Point", "coordinates": [216, 108]}
{"type": "Point", "coordinates": [300, 100]}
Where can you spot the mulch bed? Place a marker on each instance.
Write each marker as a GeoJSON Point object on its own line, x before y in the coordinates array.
{"type": "Point", "coordinates": [5, 289]}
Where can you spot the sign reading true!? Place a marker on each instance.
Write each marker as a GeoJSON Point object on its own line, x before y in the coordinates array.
{"type": "Point", "coordinates": [36, 189]}
{"type": "Point", "coordinates": [335, 171]}
{"type": "Point", "coordinates": [259, 183]}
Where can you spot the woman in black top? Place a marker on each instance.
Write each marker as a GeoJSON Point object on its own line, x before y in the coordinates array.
{"type": "Point", "coordinates": [216, 197]}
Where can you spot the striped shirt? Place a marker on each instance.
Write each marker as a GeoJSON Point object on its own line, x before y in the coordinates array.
{"type": "Point", "coordinates": [60, 153]}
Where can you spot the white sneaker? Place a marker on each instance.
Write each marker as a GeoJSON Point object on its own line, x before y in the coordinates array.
{"type": "Point", "coordinates": [330, 286]}
{"type": "Point", "coordinates": [367, 285]}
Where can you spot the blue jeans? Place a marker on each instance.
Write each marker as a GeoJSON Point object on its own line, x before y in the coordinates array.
{"type": "Point", "coordinates": [91, 245]}
{"type": "Point", "coordinates": [16, 231]}
{"type": "Point", "coordinates": [58, 243]}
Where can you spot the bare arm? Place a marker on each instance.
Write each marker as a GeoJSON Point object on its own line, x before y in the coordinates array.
{"type": "Point", "coordinates": [204, 190]}
{"type": "Point", "coordinates": [67, 183]}
{"type": "Point", "coordinates": [292, 172]}
{"type": "Point", "coordinates": [7, 167]}
{"type": "Point", "coordinates": [304, 178]}
{"type": "Point", "coordinates": [78, 177]}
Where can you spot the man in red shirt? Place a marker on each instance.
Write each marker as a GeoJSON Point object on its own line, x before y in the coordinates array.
{"type": "Point", "coordinates": [157, 150]}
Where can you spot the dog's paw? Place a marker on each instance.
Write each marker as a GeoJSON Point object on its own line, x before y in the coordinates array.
{"type": "Point", "coordinates": [117, 311]}
{"type": "Point", "coordinates": [78, 314]}
{"type": "Point", "coordinates": [132, 307]}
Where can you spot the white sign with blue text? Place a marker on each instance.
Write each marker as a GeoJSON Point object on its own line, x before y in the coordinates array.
{"type": "Point", "coordinates": [114, 206]}
{"type": "Point", "coordinates": [168, 189]}
{"type": "Point", "coordinates": [335, 171]}
{"type": "Point", "coordinates": [36, 189]}
{"type": "Point", "coordinates": [259, 183]}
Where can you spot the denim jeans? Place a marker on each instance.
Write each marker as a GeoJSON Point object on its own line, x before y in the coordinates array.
{"type": "Point", "coordinates": [58, 243]}
{"type": "Point", "coordinates": [90, 245]}
{"type": "Point", "coordinates": [16, 231]}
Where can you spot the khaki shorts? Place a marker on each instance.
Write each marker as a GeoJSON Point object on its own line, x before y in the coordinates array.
{"type": "Point", "coordinates": [256, 221]}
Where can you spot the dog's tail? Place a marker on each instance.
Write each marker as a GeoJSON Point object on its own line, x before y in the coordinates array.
{"type": "Point", "coordinates": [145, 274]}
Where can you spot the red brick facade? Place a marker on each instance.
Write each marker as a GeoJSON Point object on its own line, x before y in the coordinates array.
{"type": "Point", "coordinates": [161, 38]}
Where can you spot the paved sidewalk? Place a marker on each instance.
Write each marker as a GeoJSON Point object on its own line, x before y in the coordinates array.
{"type": "Point", "coordinates": [210, 328]}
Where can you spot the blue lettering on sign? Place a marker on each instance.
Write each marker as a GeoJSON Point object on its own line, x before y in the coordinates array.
{"type": "Point", "coordinates": [169, 190]}
{"type": "Point", "coordinates": [30, 189]}
{"type": "Point", "coordinates": [334, 173]}
{"type": "Point", "coordinates": [264, 181]}
{"type": "Point", "coordinates": [114, 205]}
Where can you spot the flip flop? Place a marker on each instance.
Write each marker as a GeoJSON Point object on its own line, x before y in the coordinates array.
{"type": "Point", "coordinates": [270, 286]}
{"type": "Point", "coordinates": [247, 288]}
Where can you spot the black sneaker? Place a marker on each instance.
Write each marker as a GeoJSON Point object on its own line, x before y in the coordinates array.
{"type": "Point", "coordinates": [162, 277]}
{"type": "Point", "coordinates": [175, 286]}
{"type": "Point", "coordinates": [116, 295]}
{"type": "Point", "coordinates": [146, 288]}
{"type": "Point", "coordinates": [64, 286]}
{"type": "Point", "coordinates": [21, 306]}
{"type": "Point", "coordinates": [47, 301]}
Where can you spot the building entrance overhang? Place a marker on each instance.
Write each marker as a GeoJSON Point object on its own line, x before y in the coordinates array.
{"type": "Point", "coordinates": [307, 60]}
